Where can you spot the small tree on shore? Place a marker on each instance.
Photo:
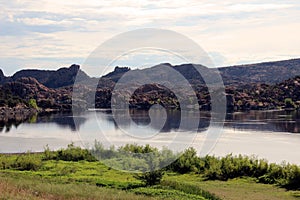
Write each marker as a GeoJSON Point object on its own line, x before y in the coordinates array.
{"type": "Point", "coordinates": [32, 103]}
{"type": "Point", "coordinates": [150, 178]}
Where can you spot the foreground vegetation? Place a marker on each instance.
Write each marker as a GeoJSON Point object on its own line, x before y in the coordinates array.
{"type": "Point", "coordinates": [75, 173]}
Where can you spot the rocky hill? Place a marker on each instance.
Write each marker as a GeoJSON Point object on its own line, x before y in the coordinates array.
{"type": "Point", "coordinates": [258, 86]}
{"type": "Point", "coordinates": [259, 96]}
{"type": "Point", "coordinates": [267, 72]}
{"type": "Point", "coordinates": [50, 78]}
{"type": "Point", "coordinates": [23, 90]}
{"type": "Point", "coordinates": [117, 73]}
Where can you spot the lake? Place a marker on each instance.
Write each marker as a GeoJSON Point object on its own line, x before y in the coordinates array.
{"type": "Point", "coordinates": [273, 135]}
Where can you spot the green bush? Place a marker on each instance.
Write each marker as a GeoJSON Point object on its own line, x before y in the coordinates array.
{"type": "Point", "coordinates": [27, 162]}
{"type": "Point", "coordinates": [187, 162]}
{"type": "Point", "coordinates": [292, 177]}
{"type": "Point", "coordinates": [71, 153]}
{"type": "Point", "coordinates": [134, 148]}
{"type": "Point", "coordinates": [23, 162]}
{"type": "Point", "coordinates": [289, 103]}
{"type": "Point", "coordinates": [48, 154]}
{"type": "Point", "coordinates": [6, 162]}
{"type": "Point", "coordinates": [99, 152]}
{"type": "Point", "coordinates": [32, 103]}
{"type": "Point", "coordinates": [150, 178]}
{"type": "Point", "coordinates": [133, 157]}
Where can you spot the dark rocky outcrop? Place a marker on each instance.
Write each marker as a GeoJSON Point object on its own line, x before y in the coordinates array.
{"type": "Point", "coordinates": [46, 98]}
{"type": "Point", "coordinates": [117, 73]}
{"type": "Point", "coordinates": [3, 78]}
{"type": "Point", "coordinates": [267, 96]}
{"type": "Point", "coordinates": [54, 79]}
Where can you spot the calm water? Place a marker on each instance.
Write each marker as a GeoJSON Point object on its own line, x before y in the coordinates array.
{"type": "Point", "coordinates": [268, 134]}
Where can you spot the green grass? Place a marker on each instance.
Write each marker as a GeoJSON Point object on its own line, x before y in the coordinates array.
{"type": "Point", "coordinates": [166, 193]}
{"type": "Point", "coordinates": [74, 174]}
{"type": "Point", "coordinates": [93, 180]}
{"type": "Point", "coordinates": [84, 180]}
{"type": "Point", "coordinates": [28, 187]}
{"type": "Point", "coordinates": [81, 172]}
{"type": "Point", "coordinates": [236, 189]}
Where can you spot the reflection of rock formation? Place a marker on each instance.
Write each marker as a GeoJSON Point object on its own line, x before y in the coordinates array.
{"type": "Point", "coordinates": [275, 121]}
{"type": "Point", "coordinates": [141, 118]}
{"type": "Point", "coordinates": [14, 116]}
{"type": "Point", "coordinates": [8, 125]}
{"type": "Point", "coordinates": [62, 120]}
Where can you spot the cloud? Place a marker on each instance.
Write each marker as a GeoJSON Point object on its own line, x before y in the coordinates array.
{"type": "Point", "coordinates": [246, 7]}
{"type": "Point", "coordinates": [55, 31]}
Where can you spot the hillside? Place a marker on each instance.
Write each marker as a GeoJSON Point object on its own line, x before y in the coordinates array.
{"type": "Point", "coordinates": [267, 72]}
{"type": "Point", "coordinates": [50, 78]}
{"type": "Point", "coordinates": [249, 87]}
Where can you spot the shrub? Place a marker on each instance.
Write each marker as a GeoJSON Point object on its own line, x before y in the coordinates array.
{"type": "Point", "coordinates": [100, 152]}
{"type": "Point", "coordinates": [289, 103]}
{"type": "Point", "coordinates": [150, 178]}
{"type": "Point", "coordinates": [71, 153]}
{"type": "Point", "coordinates": [6, 162]}
{"type": "Point", "coordinates": [134, 148]}
{"type": "Point", "coordinates": [32, 103]}
{"type": "Point", "coordinates": [187, 162]}
{"type": "Point", "coordinates": [212, 168]}
{"type": "Point", "coordinates": [27, 162]}
{"type": "Point", "coordinates": [292, 178]}
{"type": "Point", "coordinates": [48, 154]}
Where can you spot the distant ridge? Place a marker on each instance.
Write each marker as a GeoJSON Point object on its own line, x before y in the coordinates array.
{"type": "Point", "coordinates": [50, 78]}
{"type": "Point", "coordinates": [266, 72]}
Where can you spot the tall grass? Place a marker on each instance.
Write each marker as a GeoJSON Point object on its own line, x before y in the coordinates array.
{"type": "Point", "coordinates": [210, 167]}
{"type": "Point", "coordinates": [37, 188]}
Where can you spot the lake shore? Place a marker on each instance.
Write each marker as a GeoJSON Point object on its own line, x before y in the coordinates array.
{"type": "Point", "coordinates": [16, 114]}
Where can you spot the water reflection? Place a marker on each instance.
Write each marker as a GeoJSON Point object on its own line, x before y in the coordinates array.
{"type": "Point", "coordinates": [142, 118]}
{"type": "Point", "coordinates": [63, 120]}
{"type": "Point", "coordinates": [270, 121]}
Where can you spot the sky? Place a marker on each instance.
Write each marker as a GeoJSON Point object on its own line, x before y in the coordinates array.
{"type": "Point", "coordinates": [52, 34]}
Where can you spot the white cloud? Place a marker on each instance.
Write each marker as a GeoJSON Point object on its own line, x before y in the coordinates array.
{"type": "Point", "coordinates": [258, 7]}
{"type": "Point", "coordinates": [234, 31]}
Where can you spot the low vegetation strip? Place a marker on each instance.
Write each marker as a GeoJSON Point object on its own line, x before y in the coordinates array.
{"type": "Point", "coordinates": [76, 166]}
{"type": "Point", "coordinates": [166, 193]}
{"type": "Point", "coordinates": [24, 187]}
{"type": "Point", "coordinates": [189, 189]}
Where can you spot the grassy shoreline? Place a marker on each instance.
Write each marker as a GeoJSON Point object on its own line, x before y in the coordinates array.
{"type": "Point", "coordinates": [72, 173]}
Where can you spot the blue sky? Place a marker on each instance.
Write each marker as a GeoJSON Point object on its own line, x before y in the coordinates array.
{"type": "Point", "coordinates": [51, 34]}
